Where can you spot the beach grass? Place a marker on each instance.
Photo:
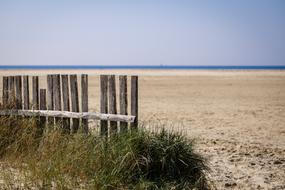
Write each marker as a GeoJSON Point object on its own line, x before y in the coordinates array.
{"type": "Point", "coordinates": [46, 159]}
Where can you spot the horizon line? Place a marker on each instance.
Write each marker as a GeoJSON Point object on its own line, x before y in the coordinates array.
{"type": "Point", "coordinates": [170, 67]}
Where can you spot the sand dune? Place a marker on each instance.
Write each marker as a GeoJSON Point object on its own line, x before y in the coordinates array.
{"type": "Point", "coordinates": [237, 117]}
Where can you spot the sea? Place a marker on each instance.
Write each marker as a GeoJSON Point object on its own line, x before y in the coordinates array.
{"type": "Point", "coordinates": [144, 67]}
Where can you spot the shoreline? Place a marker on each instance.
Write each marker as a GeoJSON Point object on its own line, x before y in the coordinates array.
{"type": "Point", "coordinates": [147, 72]}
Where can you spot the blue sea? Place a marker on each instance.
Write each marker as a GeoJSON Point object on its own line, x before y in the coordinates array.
{"type": "Point", "coordinates": [159, 67]}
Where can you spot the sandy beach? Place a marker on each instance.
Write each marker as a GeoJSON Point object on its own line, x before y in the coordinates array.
{"type": "Point", "coordinates": [236, 117]}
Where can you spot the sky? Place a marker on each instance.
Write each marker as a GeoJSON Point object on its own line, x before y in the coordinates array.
{"type": "Point", "coordinates": [142, 32]}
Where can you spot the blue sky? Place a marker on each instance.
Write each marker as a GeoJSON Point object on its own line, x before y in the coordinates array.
{"type": "Point", "coordinates": [142, 32]}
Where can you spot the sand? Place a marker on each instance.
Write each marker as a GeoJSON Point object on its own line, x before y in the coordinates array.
{"type": "Point", "coordinates": [236, 117]}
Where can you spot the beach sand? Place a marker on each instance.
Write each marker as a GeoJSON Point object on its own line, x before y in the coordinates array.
{"type": "Point", "coordinates": [236, 117]}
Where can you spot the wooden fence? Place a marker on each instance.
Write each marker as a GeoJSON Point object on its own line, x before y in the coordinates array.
{"type": "Point", "coordinates": [59, 103]}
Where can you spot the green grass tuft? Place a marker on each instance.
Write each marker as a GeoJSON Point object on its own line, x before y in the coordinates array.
{"type": "Point", "coordinates": [136, 160]}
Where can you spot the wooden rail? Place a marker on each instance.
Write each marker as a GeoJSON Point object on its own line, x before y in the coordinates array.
{"type": "Point", "coordinates": [67, 114]}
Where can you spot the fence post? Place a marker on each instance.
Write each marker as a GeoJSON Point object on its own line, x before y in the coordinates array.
{"type": "Point", "coordinates": [5, 91]}
{"type": "Point", "coordinates": [26, 92]}
{"type": "Point", "coordinates": [104, 103]}
{"type": "Point", "coordinates": [57, 96]}
{"type": "Point", "coordinates": [84, 100]}
{"type": "Point", "coordinates": [11, 89]}
{"type": "Point", "coordinates": [123, 101]}
{"type": "Point", "coordinates": [65, 95]}
{"type": "Point", "coordinates": [74, 101]}
{"type": "Point", "coordinates": [112, 103]}
{"type": "Point", "coordinates": [134, 100]}
{"type": "Point", "coordinates": [50, 97]}
{"type": "Point", "coordinates": [18, 92]}
{"type": "Point", "coordinates": [43, 106]}
{"type": "Point", "coordinates": [35, 92]}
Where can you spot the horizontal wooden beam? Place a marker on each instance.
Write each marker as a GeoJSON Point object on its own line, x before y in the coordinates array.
{"type": "Point", "coordinates": [83, 115]}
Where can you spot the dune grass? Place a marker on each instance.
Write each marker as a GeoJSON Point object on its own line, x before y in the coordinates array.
{"type": "Point", "coordinates": [46, 159]}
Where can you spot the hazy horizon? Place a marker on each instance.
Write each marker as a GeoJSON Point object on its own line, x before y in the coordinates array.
{"type": "Point", "coordinates": [143, 32]}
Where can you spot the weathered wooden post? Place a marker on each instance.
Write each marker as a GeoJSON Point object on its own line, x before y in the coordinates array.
{"type": "Point", "coordinates": [50, 105]}
{"type": "Point", "coordinates": [57, 97]}
{"type": "Point", "coordinates": [11, 89]}
{"type": "Point", "coordinates": [123, 101]}
{"type": "Point", "coordinates": [26, 93]}
{"type": "Point", "coordinates": [84, 100]}
{"type": "Point", "coordinates": [5, 91]}
{"type": "Point", "coordinates": [43, 103]}
{"type": "Point", "coordinates": [43, 106]}
{"type": "Point", "coordinates": [112, 103]}
{"type": "Point", "coordinates": [35, 99]}
{"type": "Point", "coordinates": [18, 92]}
{"type": "Point", "coordinates": [134, 101]}
{"type": "Point", "coordinates": [104, 103]}
{"type": "Point", "coordinates": [66, 107]}
{"type": "Point", "coordinates": [74, 101]}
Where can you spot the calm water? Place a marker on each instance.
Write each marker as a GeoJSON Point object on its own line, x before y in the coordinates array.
{"type": "Point", "coordinates": [141, 67]}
